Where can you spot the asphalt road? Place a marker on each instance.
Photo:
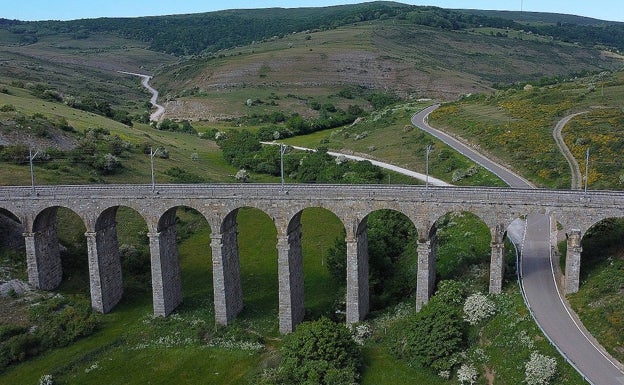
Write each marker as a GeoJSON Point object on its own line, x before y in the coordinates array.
{"type": "Point", "coordinates": [551, 313]}
{"type": "Point", "coordinates": [538, 280]}
{"type": "Point", "coordinates": [508, 176]}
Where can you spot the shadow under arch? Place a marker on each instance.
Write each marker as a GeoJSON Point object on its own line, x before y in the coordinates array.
{"type": "Point", "coordinates": [462, 247]}
{"type": "Point", "coordinates": [12, 230]}
{"type": "Point", "coordinates": [392, 242]}
{"type": "Point", "coordinates": [603, 246]}
{"type": "Point", "coordinates": [320, 238]}
{"type": "Point", "coordinates": [174, 266]}
{"type": "Point", "coordinates": [245, 267]}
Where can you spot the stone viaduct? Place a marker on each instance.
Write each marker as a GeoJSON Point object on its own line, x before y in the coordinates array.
{"type": "Point", "coordinates": [573, 212]}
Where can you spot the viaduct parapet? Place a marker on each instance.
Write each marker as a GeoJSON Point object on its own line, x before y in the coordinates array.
{"type": "Point", "coordinates": [572, 212]}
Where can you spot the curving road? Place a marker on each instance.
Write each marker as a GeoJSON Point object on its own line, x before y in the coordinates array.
{"type": "Point", "coordinates": [512, 179]}
{"type": "Point", "coordinates": [160, 110]}
{"type": "Point", "coordinates": [575, 170]}
{"type": "Point", "coordinates": [539, 286]}
{"type": "Point", "coordinates": [552, 312]}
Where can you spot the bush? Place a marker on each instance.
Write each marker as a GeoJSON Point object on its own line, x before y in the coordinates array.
{"type": "Point", "coordinates": [431, 338]}
{"type": "Point", "coordinates": [180, 175]}
{"type": "Point", "coordinates": [320, 352]}
{"type": "Point", "coordinates": [540, 369]}
{"type": "Point", "coordinates": [467, 374]}
{"type": "Point", "coordinates": [60, 322]}
{"type": "Point", "coordinates": [107, 163]}
{"type": "Point", "coordinates": [478, 308]}
{"type": "Point", "coordinates": [18, 348]}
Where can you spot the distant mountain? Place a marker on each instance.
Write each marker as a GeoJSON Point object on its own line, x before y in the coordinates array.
{"type": "Point", "coordinates": [542, 17]}
{"type": "Point", "coordinates": [209, 32]}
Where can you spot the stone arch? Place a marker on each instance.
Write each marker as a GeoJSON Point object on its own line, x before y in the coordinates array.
{"type": "Point", "coordinates": [447, 220]}
{"type": "Point", "coordinates": [483, 242]}
{"type": "Point", "coordinates": [395, 222]}
{"type": "Point", "coordinates": [105, 262]}
{"type": "Point", "coordinates": [605, 233]}
{"type": "Point", "coordinates": [230, 247]}
{"type": "Point", "coordinates": [292, 256]}
{"type": "Point", "coordinates": [43, 255]}
{"type": "Point", "coordinates": [167, 282]}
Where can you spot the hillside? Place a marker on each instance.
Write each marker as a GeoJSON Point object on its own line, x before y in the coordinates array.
{"type": "Point", "coordinates": [400, 57]}
{"type": "Point", "coordinates": [414, 51]}
{"type": "Point", "coordinates": [349, 56]}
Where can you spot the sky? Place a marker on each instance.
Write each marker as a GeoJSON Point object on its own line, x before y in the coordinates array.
{"type": "Point", "coordinates": [612, 10]}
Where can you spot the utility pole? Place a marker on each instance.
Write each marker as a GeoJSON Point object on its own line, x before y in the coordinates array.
{"type": "Point", "coordinates": [282, 151]}
{"type": "Point", "coordinates": [427, 167]}
{"type": "Point", "coordinates": [152, 154]}
{"type": "Point", "coordinates": [586, 169]}
{"type": "Point", "coordinates": [32, 170]}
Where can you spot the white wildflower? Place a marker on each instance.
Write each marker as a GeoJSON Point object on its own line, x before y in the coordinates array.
{"type": "Point", "coordinates": [467, 374]}
{"type": "Point", "coordinates": [540, 369]}
{"type": "Point", "coordinates": [360, 333]}
{"type": "Point", "coordinates": [445, 374]}
{"type": "Point", "coordinates": [46, 379]}
{"type": "Point", "coordinates": [93, 367]}
{"type": "Point", "coordinates": [477, 308]}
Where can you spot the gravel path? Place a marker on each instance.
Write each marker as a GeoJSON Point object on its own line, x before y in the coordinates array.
{"type": "Point", "coordinates": [160, 110]}
{"type": "Point", "coordinates": [575, 171]}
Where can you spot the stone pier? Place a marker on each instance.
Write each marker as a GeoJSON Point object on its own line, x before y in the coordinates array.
{"type": "Point", "coordinates": [425, 282]}
{"type": "Point", "coordinates": [43, 258]}
{"type": "Point", "coordinates": [166, 278]}
{"type": "Point", "coordinates": [290, 275]}
{"type": "Point", "coordinates": [497, 259]}
{"type": "Point", "coordinates": [357, 275]}
{"type": "Point", "coordinates": [104, 267]}
{"type": "Point", "coordinates": [228, 291]}
{"type": "Point", "coordinates": [573, 262]}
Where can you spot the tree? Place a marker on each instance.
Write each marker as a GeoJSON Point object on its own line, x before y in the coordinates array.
{"type": "Point", "coordinates": [320, 352]}
{"type": "Point", "coordinates": [434, 336]}
{"type": "Point", "coordinates": [337, 259]}
{"type": "Point", "coordinates": [238, 148]}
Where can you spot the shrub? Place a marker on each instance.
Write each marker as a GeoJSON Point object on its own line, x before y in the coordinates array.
{"type": "Point", "coordinates": [60, 322]}
{"type": "Point", "coordinates": [431, 338]}
{"type": "Point", "coordinates": [107, 163]}
{"type": "Point", "coordinates": [320, 352]}
{"type": "Point", "coordinates": [180, 175]}
{"type": "Point", "coordinates": [467, 374]}
{"type": "Point", "coordinates": [540, 369]}
{"type": "Point", "coordinates": [477, 308]}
